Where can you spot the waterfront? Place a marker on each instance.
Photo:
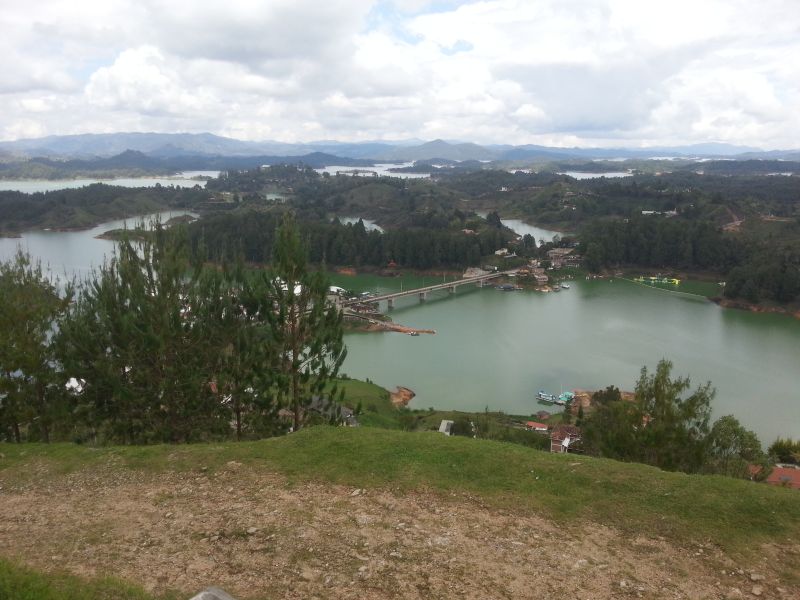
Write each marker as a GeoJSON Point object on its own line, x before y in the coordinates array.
{"type": "Point", "coordinates": [31, 186]}
{"type": "Point", "coordinates": [497, 349]}
{"type": "Point", "coordinates": [65, 254]}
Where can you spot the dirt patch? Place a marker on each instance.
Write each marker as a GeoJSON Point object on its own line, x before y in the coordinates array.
{"type": "Point", "coordinates": [257, 535]}
{"type": "Point", "coordinates": [402, 396]}
{"type": "Point", "coordinates": [374, 326]}
{"type": "Point", "coordinates": [585, 399]}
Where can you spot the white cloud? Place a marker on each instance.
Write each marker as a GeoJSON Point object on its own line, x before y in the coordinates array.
{"type": "Point", "coordinates": [505, 71]}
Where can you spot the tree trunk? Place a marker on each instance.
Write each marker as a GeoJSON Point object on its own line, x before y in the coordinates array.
{"type": "Point", "coordinates": [237, 407]}
{"type": "Point", "coordinates": [295, 375]}
{"type": "Point", "coordinates": [43, 416]}
{"type": "Point", "coordinates": [17, 437]}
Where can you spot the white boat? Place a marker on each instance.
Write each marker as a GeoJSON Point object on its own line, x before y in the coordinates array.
{"type": "Point", "coordinates": [545, 398]}
{"type": "Point", "coordinates": [565, 286]}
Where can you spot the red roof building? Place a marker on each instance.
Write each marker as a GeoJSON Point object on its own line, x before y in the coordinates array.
{"type": "Point", "coordinates": [534, 426]}
{"type": "Point", "coordinates": [785, 477]}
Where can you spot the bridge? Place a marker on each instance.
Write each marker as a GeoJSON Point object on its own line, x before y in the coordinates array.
{"type": "Point", "coordinates": [423, 292]}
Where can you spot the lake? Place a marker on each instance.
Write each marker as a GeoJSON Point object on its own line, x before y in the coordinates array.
{"type": "Point", "coordinates": [68, 253]}
{"type": "Point", "coordinates": [369, 224]}
{"type": "Point", "coordinates": [31, 186]}
{"type": "Point", "coordinates": [497, 349]}
{"type": "Point", "coordinates": [522, 228]}
{"type": "Point", "coordinates": [588, 175]}
{"type": "Point", "coordinates": [381, 170]}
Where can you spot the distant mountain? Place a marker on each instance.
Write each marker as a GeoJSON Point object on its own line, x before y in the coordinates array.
{"type": "Point", "coordinates": [197, 146]}
{"type": "Point", "coordinates": [112, 144]}
{"type": "Point", "coordinates": [135, 162]}
{"type": "Point", "coordinates": [439, 149]}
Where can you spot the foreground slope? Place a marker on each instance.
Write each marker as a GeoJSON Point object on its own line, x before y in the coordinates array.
{"type": "Point", "coordinates": [371, 513]}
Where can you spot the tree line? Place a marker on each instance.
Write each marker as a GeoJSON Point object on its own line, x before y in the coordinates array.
{"type": "Point", "coordinates": [155, 348]}
{"type": "Point", "coordinates": [665, 426]}
{"type": "Point", "coordinates": [250, 235]}
{"type": "Point", "coordinates": [89, 205]}
{"type": "Point", "coordinates": [755, 268]}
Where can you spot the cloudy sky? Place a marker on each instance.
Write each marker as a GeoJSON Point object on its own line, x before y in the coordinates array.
{"type": "Point", "coordinates": [555, 72]}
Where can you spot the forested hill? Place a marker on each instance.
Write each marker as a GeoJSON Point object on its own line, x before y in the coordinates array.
{"type": "Point", "coordinates": [85, 207]}
{"type": "Point", "coordinates": [132, 163]}
{"type": "Point", "coordinates": [250, 236]}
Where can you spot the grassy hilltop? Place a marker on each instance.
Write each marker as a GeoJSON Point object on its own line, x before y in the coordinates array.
{"type": "Point", "coordinates": [734, 518]}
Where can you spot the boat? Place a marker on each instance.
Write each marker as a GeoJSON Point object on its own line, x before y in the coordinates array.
{"type": "Point", "coordinates": [565, 286]}
{"type": "Point", "coordinates": [565, 397]}
{"type": "Point", "coordinates": [545, 398]}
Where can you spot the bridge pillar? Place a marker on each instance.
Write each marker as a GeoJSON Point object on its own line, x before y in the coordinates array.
{"type": "Point", "coordinates": [452, 289]}
{"type": "Point", "coordinates": [390, 303]}
{"type": "Point", "coordinates": [423, 296]}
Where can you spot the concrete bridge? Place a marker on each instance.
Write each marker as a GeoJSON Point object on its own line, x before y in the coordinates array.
{"type": "Point", "coordinates": [423, 292]}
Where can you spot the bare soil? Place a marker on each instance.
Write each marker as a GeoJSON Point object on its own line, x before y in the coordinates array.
{"type": "Point", "coordinates": [402, 396]}
{"type": "Point", "coordinates": [258, 535]}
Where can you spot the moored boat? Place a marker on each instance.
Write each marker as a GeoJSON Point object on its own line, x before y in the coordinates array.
{"type": "Point", "coordinates": [545, 398]}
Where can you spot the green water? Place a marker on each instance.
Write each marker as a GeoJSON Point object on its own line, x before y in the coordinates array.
{"type": "Point", "coordinates": [497, 349]}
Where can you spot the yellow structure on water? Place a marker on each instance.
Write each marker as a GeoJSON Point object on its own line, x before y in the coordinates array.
{"type": "Point", "coordinates": [643, 279]}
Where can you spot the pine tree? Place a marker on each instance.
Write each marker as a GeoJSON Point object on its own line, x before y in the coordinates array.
{"type": "Point", "coordinates": [307, 329]}
{"type": "Point", "coordinates": [30, 393]}
{"type": "Point", "coordinates": [140, 336]}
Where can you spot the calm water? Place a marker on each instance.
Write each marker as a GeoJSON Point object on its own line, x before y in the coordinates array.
{"type": "Point", "coordinates": [497, 349]}
{"type": "Point", "coordinates": [68, 253]}
{"type": "Point", "coordinates": [30, 186]}
{"type": "Point", "coordinates": [588, 175]}
{"type": "Point", "coordinates": [369, 224]}
{"type": "Point", "coordinates": [381, 169]}
{"type": "Point", "coordinates": [521, 228]}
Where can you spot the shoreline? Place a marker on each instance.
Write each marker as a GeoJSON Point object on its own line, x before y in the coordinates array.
{"type": "Point", "coordinates": [755, 308]}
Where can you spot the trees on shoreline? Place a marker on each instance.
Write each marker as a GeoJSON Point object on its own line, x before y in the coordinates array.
{"type": "Point", "coordinates": [664, 427]}
{"type": "Point", "coordinates": [160, 350]}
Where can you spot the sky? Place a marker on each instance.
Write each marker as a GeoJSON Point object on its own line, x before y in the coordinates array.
{"type": "Point", "coordinates": [554, 72]}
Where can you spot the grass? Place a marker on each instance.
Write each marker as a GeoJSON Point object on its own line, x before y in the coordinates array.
{"type": "Point", "coordinates": [377, 409]}
{"type": "Point", "coordinates": [20, 583]}
{"type": "Point", "coordinates": [733, 514]}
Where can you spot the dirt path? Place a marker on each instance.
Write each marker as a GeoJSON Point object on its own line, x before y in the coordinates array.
{"type": "Point", "coordinates": [257, 535]}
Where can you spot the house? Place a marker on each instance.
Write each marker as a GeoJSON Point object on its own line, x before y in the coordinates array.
{"type": "Point", "coordinates": [534, 426]}
{"type": "Point", "coordinates": [564, 437]}
{"type": "Point", "coordinates": [558, 256]}
{"type": "Point", "coordinates": [785, 476]}
{"type": "Point", "coordinates": [446, 427]}
{"type": "Point", "coordinates": [326, 408]}
{"type": "Point", "coordinates": [540, 276]}
{"type": "Point", "coordinates": [501, 252]}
